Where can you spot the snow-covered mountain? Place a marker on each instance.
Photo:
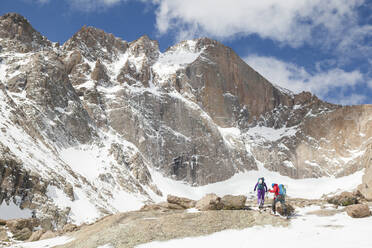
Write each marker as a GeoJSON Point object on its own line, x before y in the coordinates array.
{"type": "Point", "coordinates": [91, 126]}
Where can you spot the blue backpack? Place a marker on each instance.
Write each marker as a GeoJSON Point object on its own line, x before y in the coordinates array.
{"type": "Point", "coordinates": [282, 190]}
{"type": "Point", "coordinates": [261, 185]}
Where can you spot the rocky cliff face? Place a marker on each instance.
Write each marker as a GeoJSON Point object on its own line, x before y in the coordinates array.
{"type": "Point", "coordinates": [94, 118]}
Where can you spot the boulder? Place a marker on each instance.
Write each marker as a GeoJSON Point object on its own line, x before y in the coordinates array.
{"type": "Point", "coordinates": [343, 199]}
{"type": "Point", "coordinates": [289, 209]}
{"type": "Point", "coordinates": [2, 222]}
{"type": "Point", "coordinates": [23, 234]}
{"type": "Point", "coordinates": [48, 235]}
{"type": "Point", "coordinates": [231, 202]}
{"type": "Point", "coordinates": [358, 211]}
{"type": "Point", "coordinates": [69, 228]}
{"type": "Point", "coordinates": [181, 201]}
{"type": "Point", "coordinates": [209, 202]}
{"type": "Point", "coordinates": [19, 224]}
{"type": "Point", "coordinates": [35, 236]}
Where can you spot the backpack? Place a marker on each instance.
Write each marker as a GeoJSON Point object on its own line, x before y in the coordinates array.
{"type": "Point", "coordinates": [282, 190]}
{"type": "Point", "coordinates": [261, 185]}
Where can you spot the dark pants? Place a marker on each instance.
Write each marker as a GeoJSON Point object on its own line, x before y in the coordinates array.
{"type": "Point", "coordinates": [260, 197]}
{"type": "Point", "coordinates": [281, 199]}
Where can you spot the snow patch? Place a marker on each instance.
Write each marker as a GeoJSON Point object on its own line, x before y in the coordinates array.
{"type": "Point", "coordinates": [230, 135]}
{"type": "Point", "coordinates": [106, 246]}
{"type": "Point", "coordinates": [271, 134]}
{"type": "Point", "coordinates": [288, 164]}
{"type": "Point", "coordinates": [353, 155]}
{"type": "Point", "coordinates": [47, 243]}
{"type": "Point", "coordinates": [87, 162]}
{"type": "Point", "coordinates": [176, 58]}
{"type": "Point", "coordinates": [82, 209]}
{"type": "Point", "coordinates": [192, 210]}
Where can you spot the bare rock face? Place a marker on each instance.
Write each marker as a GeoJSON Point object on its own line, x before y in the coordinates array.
{"type": "Point", "coordinates": [209, 202]}
{"type": "Point", "coordinates": [48, 85]}
{"type": "Point", "coordinates": [182, 201]}
{"type": "Point", "coordinates": [15, 181]}
{"type": "Point", "coordinates": [231, 202]}
{"type": "Point", "coordinates": [230, 91]}
{"type": "Point", "coordinates": [95, 44]}
{"type": "Point", "coordinates": [366, 187]}
{"type": "Point", "coordinates": [358, 211]}
{"type": "Point", "coordinates": [100, 72]}
{"type": "Point", "coordinates": [25, 38]}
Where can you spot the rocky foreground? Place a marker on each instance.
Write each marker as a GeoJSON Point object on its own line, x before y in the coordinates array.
{"type": "Point", "coordinates": [181, 217]}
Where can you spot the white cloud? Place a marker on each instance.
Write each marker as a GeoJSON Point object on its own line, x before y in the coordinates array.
{"type": "Point", "coordinates": [320, 83]}
{"type": "Point", "coordinates": [291, 22]}
{"type": "Point", "coordinates": [93, 5]}
{"type": "Point", "coordinates": [370, 84]}
{"type": "Point", "coordinates": [352, 99]}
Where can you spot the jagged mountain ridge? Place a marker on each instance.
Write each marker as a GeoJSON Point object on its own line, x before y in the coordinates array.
{"type": "Point", "coordinates": [196, 113]}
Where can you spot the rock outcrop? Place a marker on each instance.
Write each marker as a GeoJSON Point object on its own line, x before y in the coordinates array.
{"type": "Point", "coordinates": [343, 199]}
{"type": "Point", "coordinates": [209, 202]}
{"type": "Point", "coordinates": [182, 201]}
{"type": "Point", "coordinates": [232, 202]}
{"type": "Point", "coordinates": [134, 228]}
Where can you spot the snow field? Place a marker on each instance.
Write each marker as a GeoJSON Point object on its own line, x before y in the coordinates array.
{"type": "Point", "coordinates": [243, 184]}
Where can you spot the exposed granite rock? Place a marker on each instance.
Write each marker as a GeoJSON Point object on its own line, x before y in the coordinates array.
{"type": "Point", "coordinates": [182, 201]}
{"type": "Point", "coordinates": [344, 199]}
{"type": "Point", "coordinates": [209, 202]}
{"type": "Point", "coordinates": [134, 228]}
{"type": "Point", "coordinates": [16, 28]}
{"type": "Point", "coordinates": [95, 44]}
{"type": "Point", "coordinates": [358, 211]}
{"type": "Point", "coordinates": [231, 202]}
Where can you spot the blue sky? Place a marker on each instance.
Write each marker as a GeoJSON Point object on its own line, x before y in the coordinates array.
{"type": "Point", "coordinates": [322, 46]}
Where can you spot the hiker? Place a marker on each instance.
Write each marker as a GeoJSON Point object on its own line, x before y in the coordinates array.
{"type": "Point", "coordinates": [279, 191]}
{"type": "Point", "coordinates": [261, 189]}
